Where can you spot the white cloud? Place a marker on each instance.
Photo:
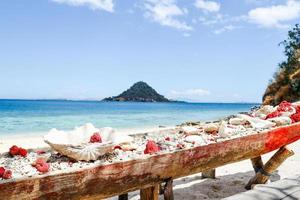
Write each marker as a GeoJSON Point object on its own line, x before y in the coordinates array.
{"type": "Point", "coordinates": [275, 16]}
{"type": "Point", "coordinates": [210, 6]}
{"type": "Point", "coordinates": [106, 5]}
{"type": "Point", "coordinates": [191, 94]}
{"type": "Point", "coordinates": [225, 29]}
{"type": "Point", "coordinates": [165, 12]}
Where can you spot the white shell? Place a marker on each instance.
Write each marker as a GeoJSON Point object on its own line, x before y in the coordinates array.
{"type": "Point", "coordinates": [237, 121]}
{"type": "Point", "coordinates": [197, 139]}
{"type": "Point", "coordinates": [211, 127]}
{"type": "Point", "coordinates": [256, 122]}
{"type": "Point", "coordinates": [189, 129]}
{"type": "Point", "coordinates": [224, 131]}
{"type": "Point", "coordinates": [281, 121]}
{"type": "Point", "coordinates": [263, 111]}
{"type": "Point", "coordinates": [75, 144]}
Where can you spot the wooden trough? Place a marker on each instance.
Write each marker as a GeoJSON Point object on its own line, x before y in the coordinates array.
{"type": "Point", "coordinates": [145, 174]}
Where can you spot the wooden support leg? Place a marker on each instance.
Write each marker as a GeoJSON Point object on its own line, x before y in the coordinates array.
{"type": "Point", "coordinates": [257, 163]}
{"type": "Point", "coordinates": [123, 196]}
{"type": "Point", "coordinates": [150, 193]}
{"type": "Point", "coordinates": [209, 174]}
{"type": "Point", "coordinates": [275, 161]}
{"type": "Point", "coordinates": [161, 189]}
{"type": "Point", "coordinates": [168, 190]}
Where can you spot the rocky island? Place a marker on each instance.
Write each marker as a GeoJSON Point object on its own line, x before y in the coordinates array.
{"type": "Point", "coordinates": [139, 92]}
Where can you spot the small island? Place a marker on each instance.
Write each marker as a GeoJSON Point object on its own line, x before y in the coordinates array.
{"type": "Point", "coordinates": [139, 92]}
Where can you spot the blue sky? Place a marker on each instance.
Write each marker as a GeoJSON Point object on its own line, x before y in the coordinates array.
{"type": "Point", "coordinates": [206, 51]}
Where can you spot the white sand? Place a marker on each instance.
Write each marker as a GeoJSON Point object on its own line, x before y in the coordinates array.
{"type": "Point", "coordinates": [231, 179]}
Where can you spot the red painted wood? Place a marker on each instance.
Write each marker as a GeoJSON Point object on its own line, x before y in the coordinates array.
{"type": "Point", "coordinates": [119, 178]}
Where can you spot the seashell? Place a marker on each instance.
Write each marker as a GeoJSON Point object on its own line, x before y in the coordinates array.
{"type": "Point", "coordinates": [281, 121]}
{"type": "Point", "coordinates": [224, 130]}
{"type": "Point", "coordinates": [256, 122]}
{"type": "Point", "coordinates": [237, 121]}
{"type": "Point", "coordinates": [211, 127]}
{"type": "Point", "coordinates": [75, 144]}
{"type": "Point", "coordinates": [189, 129]}
{"type": "Point", "coordinates": [263, 111]}
{"type": "Point", "coordinates": [197, 139]}
{"type": "Point", "coordinates": [128, 147]}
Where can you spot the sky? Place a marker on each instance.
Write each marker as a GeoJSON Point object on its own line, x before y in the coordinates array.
{"type": "Point", "coordinates": [195, 50]}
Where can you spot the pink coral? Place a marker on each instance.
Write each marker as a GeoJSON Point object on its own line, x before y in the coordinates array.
{"type": "Point", "coordinates": [151, 147]}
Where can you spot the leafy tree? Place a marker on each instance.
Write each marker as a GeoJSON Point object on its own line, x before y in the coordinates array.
{"type": "Point", "coordinates": [285, 84]}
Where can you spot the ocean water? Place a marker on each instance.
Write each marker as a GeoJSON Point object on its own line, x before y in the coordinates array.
{"type": "Point", "coordinates": [36, 116]}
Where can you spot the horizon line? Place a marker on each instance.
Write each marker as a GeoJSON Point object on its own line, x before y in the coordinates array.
{"type": "Point", "coordinates": [99, 100]}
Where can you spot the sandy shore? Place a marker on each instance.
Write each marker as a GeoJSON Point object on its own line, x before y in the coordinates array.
{"type": "Point", "coordinates": [231, 179]}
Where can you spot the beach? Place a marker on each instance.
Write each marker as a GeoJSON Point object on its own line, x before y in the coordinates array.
{"type": "Point", "coordinates": [132, 118]}
{"type": "Point", "coordinates": [230, 180]}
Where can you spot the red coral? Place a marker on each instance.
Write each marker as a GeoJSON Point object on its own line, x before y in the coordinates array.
{"type": "Point", "coordinates": [295, 117]}
{"type": "Point", "coordinates": [14, 150]}
{"type": "Point", "coordinates": [22, 152]}
{"type": "Point", "coordinates": [297, 108]}
{"type": "Point", "coordinates": [2, 170]}
{"type": "Point", "coordinates": [180, 146]}
{"type": "Point", "coordinates": [39, 152]}
{"type": "Point", "coordinates": [284, 106]}
{"type": "Point", "coordinates": [96, 138]}
{"type": "Point", "coordinates": [273, 114]}
{"type": "Point", "coordinates": [41, 165]}
{"type": "Point", "coordinates": [7, 174]}
{"type": "Point", "coordinates": [151, 147]}
{"type": "Point", "coordinates": [118, 147]}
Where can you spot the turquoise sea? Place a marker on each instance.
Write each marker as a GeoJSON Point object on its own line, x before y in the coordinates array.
{"type": "Point", "coordinates": [36, 116]}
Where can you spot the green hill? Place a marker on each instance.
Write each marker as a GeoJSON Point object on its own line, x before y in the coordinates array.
{"type": "Point", "coordinates": [139, 92]}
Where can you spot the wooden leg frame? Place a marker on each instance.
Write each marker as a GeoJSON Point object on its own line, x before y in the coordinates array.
{"type": "Point", "coordinates": [209, 174]}
{"type": "Point", "coordinates": [262, 175]}
{"type": "Point", "coordinates": [263, 172]}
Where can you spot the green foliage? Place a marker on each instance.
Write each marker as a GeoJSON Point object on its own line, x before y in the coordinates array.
{"type": "Point", "coordinates": [284, 86]}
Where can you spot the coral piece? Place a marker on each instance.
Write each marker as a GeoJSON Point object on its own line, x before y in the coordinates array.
{"type": "Point", "coordinates": [41, 165]}
{"type": "Point", "coordinates": [151, 147]}
{"type": "Point", "coordinates": [95, 138]}
{"type": "Point", "coordinates": [2, 170]}
{"type": "Point", "coordinates": [14, 150]}
{"type": "Point", "coordinates": [295, 117]}
{"type": "Point", "coordinates": [256, 122]}
{"type": "Point", "coordinates": [22, 152]}
{"type": "Point", "coordinates": [264, 111]}
{"type": "Point", "coordinates": [237, 121]}
{"type": "Point", "coordinates": [281, 121]}
{"type": "Point", "coordinates": [211, 128]}
{"type": "Point", "coordinates": [273, 114]}
{"type": "Point", "coordinates": [7, 174]}
{"type": "Point", "coordinates": [284, 106]}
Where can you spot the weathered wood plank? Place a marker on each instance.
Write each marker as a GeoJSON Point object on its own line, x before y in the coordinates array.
{"type": "Point", "coordinates": [119, 178]}
{"type": "Point", "coordinates": [150, 193]}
